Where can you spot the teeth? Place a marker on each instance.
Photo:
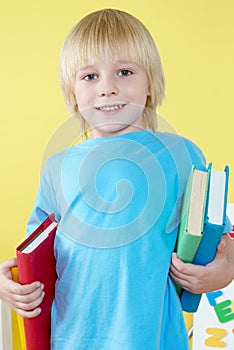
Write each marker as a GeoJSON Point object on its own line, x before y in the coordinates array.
{"type": "Point", "coordinates": [110, 108]}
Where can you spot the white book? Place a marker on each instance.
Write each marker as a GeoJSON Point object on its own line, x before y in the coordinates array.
{"type": "Point", "coordinates": [216, 195]}
{"type": "Point", "coordinates": [5, 327]}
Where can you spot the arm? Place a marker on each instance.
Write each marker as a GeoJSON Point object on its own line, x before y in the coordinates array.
{"type": "Point", "coordinates": [202, 279]}
{"type": "Point", "coordinates": [24, 299]}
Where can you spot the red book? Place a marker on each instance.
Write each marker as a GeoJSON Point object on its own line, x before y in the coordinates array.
{"type": "Point", "coordinates": [231, 233]}
{"type": "Point", "coordinates": [36, 262]}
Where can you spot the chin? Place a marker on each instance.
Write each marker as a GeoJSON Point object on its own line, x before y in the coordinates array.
{"type": "Point", "coordinates": [114, 129]}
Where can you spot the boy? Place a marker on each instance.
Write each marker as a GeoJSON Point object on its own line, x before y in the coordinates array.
{"type": "Point", "coordinates": [117, 197]}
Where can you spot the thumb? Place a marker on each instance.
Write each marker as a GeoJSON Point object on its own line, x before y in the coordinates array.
{"type": "Point", "coordinates": [8, 264]}
{"type": "Point", "coordinates": [221, 250]}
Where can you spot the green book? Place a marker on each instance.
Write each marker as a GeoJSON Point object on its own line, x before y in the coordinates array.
{"type": "Point", "coordinates": [192, 215]}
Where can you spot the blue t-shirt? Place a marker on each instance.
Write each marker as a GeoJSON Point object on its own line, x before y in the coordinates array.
{"type": "Point", "coordinates": [118, 202]}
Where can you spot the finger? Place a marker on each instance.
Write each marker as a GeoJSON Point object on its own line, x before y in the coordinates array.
{"type": "Point", "coordinates": [174, 256]}
{"type": "Point", "coordinates": [221, 246]}
{"type": "Point", "coordinates": [177, 276]}
{"type": "Point", "coordinates": [179, 266]}
{"type": "Point", "coordinates": [182, 272]}
{"type": "Point", "coordinates": [180, 280]}
{"type": "Point", "coordinates": [31, 288]}
{"type": "Point", "coordinates": [20, 289]}
{"type": "Point", "coordinates": [32, 305]}
{"type": "Point", "coordinates": [8, 264]}
{"type": "Point", "coordinates": [186, 282]}
{"type": "Point", "coordinates": [30, 297]}
{"type": "Point", "coordinates": [29, 314]}
{"type": "Point", "coordinates": [221, 252]}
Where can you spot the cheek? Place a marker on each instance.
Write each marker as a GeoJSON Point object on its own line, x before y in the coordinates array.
{"type": "Point", "coordinates": [140, 96]}
{"type": "Point", "coordinates": [81, 98]}
{"type": "Point", "coordinates": [139, 92]}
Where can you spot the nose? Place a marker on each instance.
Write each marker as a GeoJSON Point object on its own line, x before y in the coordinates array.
{"type": "Point", "coordinates": [107, 93]}
{"type": "Point", "coordinates": [107, 88]}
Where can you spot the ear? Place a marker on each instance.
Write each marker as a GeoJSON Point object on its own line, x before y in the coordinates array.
{"type": "Point", "coordinates": [148, 90]}
{"type": "Point", "coordinates": [76, 108]}
{"type": "Point", "coordinates": [73, 102]}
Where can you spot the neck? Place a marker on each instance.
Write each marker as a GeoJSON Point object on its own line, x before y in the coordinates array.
{"type": "Point", "coordinates": [114, 130]}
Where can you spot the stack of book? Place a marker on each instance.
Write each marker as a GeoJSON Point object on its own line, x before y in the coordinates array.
{"type": "Point", "coordinates": [202, 223]}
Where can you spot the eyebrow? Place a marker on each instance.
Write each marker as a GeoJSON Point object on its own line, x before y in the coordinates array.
{"type": "Point", "coordinates": [91, 66]}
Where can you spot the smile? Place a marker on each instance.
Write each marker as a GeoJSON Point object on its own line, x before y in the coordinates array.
{"type": "Point", "coordinates": [110, 108]}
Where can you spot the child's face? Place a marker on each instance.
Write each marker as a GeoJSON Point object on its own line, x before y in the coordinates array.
{"type": "Point", "coordinates": [111, 95]}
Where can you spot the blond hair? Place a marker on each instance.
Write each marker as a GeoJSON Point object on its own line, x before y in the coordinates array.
{"type": "Point", "coordinates": [125, 37]}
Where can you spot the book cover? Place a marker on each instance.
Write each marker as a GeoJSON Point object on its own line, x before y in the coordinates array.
{"type": "Point", "coordinates": [36, 262]}
{"type": "Point", "coordinates": [213, 229]}
{"type": "Point", "coordinates": [192, 216]}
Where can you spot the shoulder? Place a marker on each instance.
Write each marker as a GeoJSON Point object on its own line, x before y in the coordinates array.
{"type": "Point", "coordinates": [182, 148]}
{"type": "Point", "coordinates": [53, 163]}
{"type": "Point", "coordinates": [57, 160]}
{"type": "Point", "coordinates": [174, 139]}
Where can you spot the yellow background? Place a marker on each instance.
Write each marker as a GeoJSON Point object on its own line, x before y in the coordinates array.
{"type": "Point", "coordinates": [195, 39]}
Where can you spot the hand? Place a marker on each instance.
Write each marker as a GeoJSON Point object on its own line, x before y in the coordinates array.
{"type": "Point", "coordinates": [202, 279]}
{"type": "Point", "coordinates": [24, 299]}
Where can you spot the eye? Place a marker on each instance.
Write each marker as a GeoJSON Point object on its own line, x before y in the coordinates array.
{"type": "Point", "coordinates": [125, 72]}
{"type": "Point", "coordinates": [89, 77]}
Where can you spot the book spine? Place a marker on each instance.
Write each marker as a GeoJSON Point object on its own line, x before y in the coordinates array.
{"type": "Point", "coordinates": [26, 276]}
{"type": "Point", "coordinates": [39, 265]}
{"type": "Point", "coordinates": [188, 246]}
{"type": "Point", "coordinates": [25, 268]}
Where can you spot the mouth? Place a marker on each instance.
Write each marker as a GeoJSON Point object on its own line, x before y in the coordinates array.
{"type": "Point", "coordinates": [111, 108]}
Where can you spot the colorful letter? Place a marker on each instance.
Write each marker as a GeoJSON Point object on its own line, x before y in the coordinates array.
{"type": "Point", "coordinates": [212, 296]}
{"type": "Point", "coordinates": [214, 340]}
{"type": "Point", "coordinates": [224, 312]}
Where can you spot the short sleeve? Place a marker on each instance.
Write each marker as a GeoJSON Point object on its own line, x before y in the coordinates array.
{"type": "Point", "coordinates": [227, 225]}
{"type": "Point", "coordinates": [46, 201]}
{"type": "Point", "coordinates": [198, 158]}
